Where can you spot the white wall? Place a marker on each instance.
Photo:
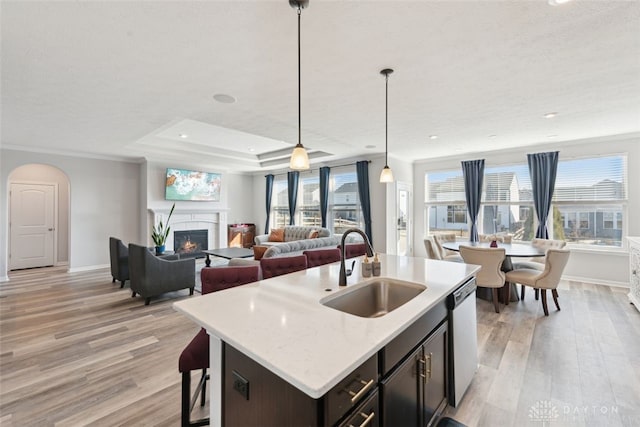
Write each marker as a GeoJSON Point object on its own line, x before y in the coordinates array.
{"type": "Point", "coordinates": [608, 267]}
{"type": "Point", "coordinates": [111, 198]}
{"type": "Point", "coordinates": [104, 201]}
{"type": "Point", "coordinates": [236, 195]}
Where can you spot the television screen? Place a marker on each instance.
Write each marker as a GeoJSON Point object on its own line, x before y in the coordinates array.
{"type": "Point", "coordinates": [182, 184]}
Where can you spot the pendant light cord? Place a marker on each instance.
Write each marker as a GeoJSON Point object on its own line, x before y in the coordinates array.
{"type": "Point", "coordinates": [299, 85]}
{"type": "Point", "coordinates": [386, 119]}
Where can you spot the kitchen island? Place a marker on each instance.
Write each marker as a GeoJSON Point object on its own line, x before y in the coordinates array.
{"type": "Point", "coordinates": [281, 324]}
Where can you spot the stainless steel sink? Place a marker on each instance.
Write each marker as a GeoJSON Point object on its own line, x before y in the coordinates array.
{"type": "Point", "coordinates": [374, 297]}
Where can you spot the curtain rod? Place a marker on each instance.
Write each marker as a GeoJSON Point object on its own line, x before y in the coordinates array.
{"type": "Point", "coordinates": [311, 170]}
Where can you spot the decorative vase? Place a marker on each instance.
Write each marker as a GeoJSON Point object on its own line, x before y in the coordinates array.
{"type": "Point", "coordinates": [159, 250]}
{"type": "Point", "coordinates": [494, 244]}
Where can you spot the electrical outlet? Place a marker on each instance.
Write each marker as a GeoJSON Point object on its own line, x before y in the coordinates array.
{"type": "Point", "coordinates": [241, 384]}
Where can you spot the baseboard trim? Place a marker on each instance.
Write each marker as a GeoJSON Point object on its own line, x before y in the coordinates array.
{"type": "Point", "coordinates": [596, 281]}
{"type": "Point", "coordinates": [88, 268]}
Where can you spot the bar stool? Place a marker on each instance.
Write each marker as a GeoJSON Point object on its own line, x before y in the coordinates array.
{"type": "Point", "coordinates": [195, 355]}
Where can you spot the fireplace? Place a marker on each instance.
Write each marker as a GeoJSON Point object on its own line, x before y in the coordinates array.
{"type": "Point", "coordinates": [191, 243]}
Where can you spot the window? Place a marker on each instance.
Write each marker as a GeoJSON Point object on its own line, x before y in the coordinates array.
{"type": "Point", "coordinates": [308, 206]}
{"type": "Point", "coordinates": [279, 204]}
{"type": "Point", "coordinates": [456, 214]}
{"type": "Point", "coordinates": [588, 206]}
{"type": "Point", "coordinates": [344, 209]}
{"type": "Point", "coordinates": [591, 196]}
{"type": "Point", "coordinates": [344, 206]}
{"type": "Point", "coordinates": [611, 220]}
{"type": "Point", "coordinates": [445, 203]}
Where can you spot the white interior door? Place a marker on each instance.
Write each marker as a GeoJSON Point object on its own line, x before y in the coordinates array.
{"type": "Point", "coordinates": [404, 219]}
{"type": "Point", "coordinates": [32, 231]}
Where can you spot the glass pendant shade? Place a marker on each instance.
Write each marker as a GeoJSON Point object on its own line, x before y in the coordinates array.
{"type": "Point", "coordinates": [299, 158]}
{"type": "Point", "coordinates": [386, 175]}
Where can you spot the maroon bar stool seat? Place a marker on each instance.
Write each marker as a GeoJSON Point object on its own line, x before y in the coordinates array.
{"type": "Point", "coordinates": [352, 250]}
{"type": "Point", "coordinates": [272, 267]}
{"type": "Point", "coordinates": [195, 355]}
{"type": "Point", "coordinates": [321, 257]}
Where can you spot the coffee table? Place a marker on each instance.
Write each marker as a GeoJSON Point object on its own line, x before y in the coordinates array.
{"type": "Point", "coordinates": [227, 253]}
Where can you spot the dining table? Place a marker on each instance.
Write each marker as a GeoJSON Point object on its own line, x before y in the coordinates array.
{"type": "Point", "coordinates": [512, 250]}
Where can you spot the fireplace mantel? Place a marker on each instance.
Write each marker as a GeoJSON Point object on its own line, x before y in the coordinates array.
{"type": "Point", "coordinates": [214, 220]}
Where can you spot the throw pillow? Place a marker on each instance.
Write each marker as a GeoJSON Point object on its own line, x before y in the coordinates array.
{"type": "Point", "coordinates": [258, 252]}
{"type": "Point", "coordinates": [313, 234]}
{"type": "Point", "coordinates": [276, 235]}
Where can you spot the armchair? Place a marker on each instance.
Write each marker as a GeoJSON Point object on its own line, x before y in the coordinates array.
{"type": "Point", "coordinates": [119, 257]}
{"type": "Point", "coordinates": [152, 275]}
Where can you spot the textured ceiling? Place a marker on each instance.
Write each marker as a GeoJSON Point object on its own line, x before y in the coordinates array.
{"type": "Point", "coordinates": [125, 79]}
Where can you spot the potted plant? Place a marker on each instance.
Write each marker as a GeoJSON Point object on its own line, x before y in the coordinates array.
{"type": "Point", "coordinates": [160, 232]}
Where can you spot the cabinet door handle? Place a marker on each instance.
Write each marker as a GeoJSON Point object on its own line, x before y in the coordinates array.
{"type": "Point", "coordinates": [356, 396]}
{"type": "Point", "coordinates": [427, 362]}
{"type": "Point", "coordinates": [367, 419]}
{"type": "Point", "coordinates": [422, 370]}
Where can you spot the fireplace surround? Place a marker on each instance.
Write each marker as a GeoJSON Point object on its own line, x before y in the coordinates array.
{"type": "Point", "coordinates": [214, 221]}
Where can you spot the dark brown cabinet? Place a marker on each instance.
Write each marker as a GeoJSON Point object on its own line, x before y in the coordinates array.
{"type": "Point", "coordinates": [403, 384]}
{"type": "Point", "coordinates": [241, 235]}
{"type": "Point", "coordinates": [415, 392]}
{"type": "Point", "coordinates": [254, 396]}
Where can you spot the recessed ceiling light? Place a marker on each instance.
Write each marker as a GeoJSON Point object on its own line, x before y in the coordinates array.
{"type": "Point", "coordinates": [369, 146]}
{"type": "Point", "coordinates": [557, 2]}
{"type": "Point", "coordinates": [251, 149]}
{"type": "Point", "coordinates": [224, 98]}
{"type": "Point", "coordinates": [433, 136]}
{"type": "Point", "coordinates": [550, 115]}
{"type": "Point", "coordinates": [492, 136]}
{"type": "Point", "coordinates": [552, 136]}
{"type": "Point", "coordinates": [183, 135]}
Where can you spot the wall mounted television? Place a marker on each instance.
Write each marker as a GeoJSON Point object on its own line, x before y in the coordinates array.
{"type": "Point", "coordinates": [183, 184]}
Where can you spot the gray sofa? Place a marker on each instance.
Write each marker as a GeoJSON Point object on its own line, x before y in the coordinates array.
{"type": "Point", "coordinates": [292, 233]}
{"type": "Point", "coordinates": [151, 275]}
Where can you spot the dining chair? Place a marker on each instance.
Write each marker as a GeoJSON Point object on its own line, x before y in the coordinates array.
{"type": "Point", "coordinates": [321, 256]}
{"type": "Point", "coordinates": [272, 267]}
{"type": "Point", "coordinates": [502, 238]}
{"type": "Point", "coordinates": [538, 263]}
{"type": "Point", "coordinates": [195, 355]}
{"type": "Point", "coordinates": [352, 250]}
{"type": "Point", "coordinates": [490, 274]}
{"type": "Point", "coordinates": [432, 249]}
{"type": "Point", "coordinates": [446, 254]}
{"type": "Point", "coordinates": [549, 278]}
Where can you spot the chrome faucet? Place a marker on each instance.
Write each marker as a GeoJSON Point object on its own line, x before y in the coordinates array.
{"type": "Point", "coordinates": [342, 281]}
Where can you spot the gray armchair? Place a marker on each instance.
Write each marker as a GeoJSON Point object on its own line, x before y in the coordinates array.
{"type": "Point", "coordinates": [152, 275]}
{"type": "Point", "coordinates": [119, 256]}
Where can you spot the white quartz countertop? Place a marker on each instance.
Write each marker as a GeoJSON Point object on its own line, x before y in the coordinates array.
{"type": "Point", "coordinates": [281, 324]}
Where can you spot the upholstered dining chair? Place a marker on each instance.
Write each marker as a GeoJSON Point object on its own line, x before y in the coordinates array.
{"type": "Point", "coordinates": [537, 263]}
{"type": "Point", "coordinates": [321, 256]}
{"type": "Point", "coordinates": [491, 274]}
{"type": "Point", "coordinates": [446, 254]}
{"type": "Point", "coordinates": [549, 278]}
{"type": "Point", "coordinates": [119, 257]}
{"type": "Point", "coordinates": [277, 266]}
{"type": "Point", "coordinates": [432, 249]}
{"type": "Point", "coordinates": [502, 238]}
{"type": "Point", "coordinates": [195, 355]}
{"type": "Point", "coordinates": [352, 250]}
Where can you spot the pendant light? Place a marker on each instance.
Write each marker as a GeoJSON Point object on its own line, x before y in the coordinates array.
{"type": "Point", "coordinates": [386, 175]}
{"type": "Point", "coordinates": [299, 158]}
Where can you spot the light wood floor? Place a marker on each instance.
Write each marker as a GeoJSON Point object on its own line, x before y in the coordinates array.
{"type": "Point", "coordinates": [77, 350]}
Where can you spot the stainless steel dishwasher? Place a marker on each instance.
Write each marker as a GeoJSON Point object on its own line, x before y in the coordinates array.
{"type": "Point", "coordinates": [463, 340]}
